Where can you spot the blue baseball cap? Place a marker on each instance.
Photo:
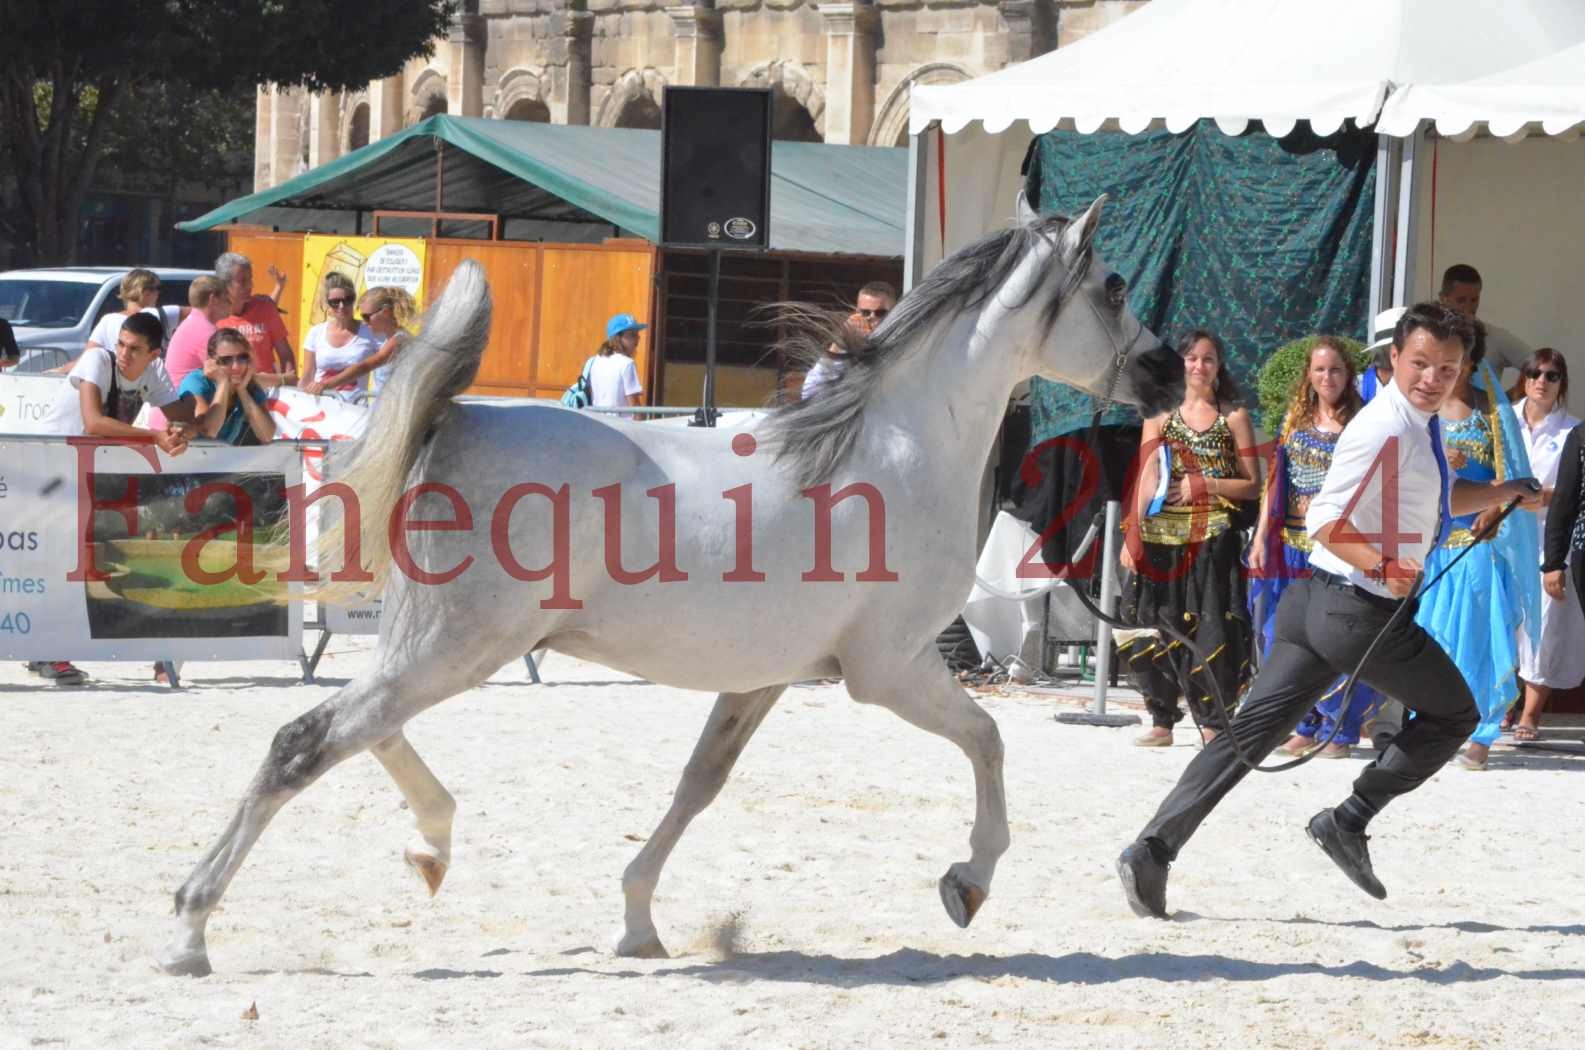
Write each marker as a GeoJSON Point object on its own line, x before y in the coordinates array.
{"type": "Point", "coordinates": [620, 323]}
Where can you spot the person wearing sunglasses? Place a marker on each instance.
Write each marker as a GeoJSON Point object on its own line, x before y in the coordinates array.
{"type": "Point", "coordinates": [875, 301]}
{"type": "Point", "coordinates": [227, 399]}
{"type": "Point", "coordinates": [337, 345]}
{"type": "Point", "coordinates": [1557, 661]}
{"type": "Point", "coordinates": [389, 314]}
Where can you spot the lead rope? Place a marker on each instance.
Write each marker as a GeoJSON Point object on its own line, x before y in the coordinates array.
{"type": "Point", "coordinates": [1416, 591]}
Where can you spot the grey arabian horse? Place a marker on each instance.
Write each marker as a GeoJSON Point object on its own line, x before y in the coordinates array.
{"type": "Point", "coordinates": [834, 537]}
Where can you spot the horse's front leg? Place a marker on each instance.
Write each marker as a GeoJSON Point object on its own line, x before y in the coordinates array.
{"type": "Point", "coordinates": [922, 691]}
{"type": "Point", "coordinates": [301, 752]}
{"type": "Point", "coordinates": [429, 855]}
{"type": "Point", "coordinates": [732, 721]}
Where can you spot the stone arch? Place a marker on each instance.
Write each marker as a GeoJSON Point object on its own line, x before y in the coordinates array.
{"type": "Point", "coordinates": [520, 95]}
{"type": "Point", "coordinates": [428, 97]}
{"type": "Point", "coordinates": [797, 106]}
{"type": "Point", "coordinates": [633, 101]}
{"type": "Point", "coordinates": [354, 121]}
{"type": "Point", "coordinates": [891, 123]}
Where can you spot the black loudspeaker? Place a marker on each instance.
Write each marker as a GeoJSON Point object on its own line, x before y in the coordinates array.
{"type": "Point", "coordinates": [715, 168]}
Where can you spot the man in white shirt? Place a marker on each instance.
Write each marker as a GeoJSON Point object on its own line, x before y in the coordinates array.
{"type": "Point", "coordinates": [100, 397]}
{"type": "Point", "coordinates": [104, 391]}
{"type": "Point", "coordinates": [1385, 502]}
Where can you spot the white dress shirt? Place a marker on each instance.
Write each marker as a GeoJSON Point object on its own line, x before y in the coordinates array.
{"type": "Point", "coordinates": [1388, 421]}
{"type": "Point", "coordinates": [1544, 443]}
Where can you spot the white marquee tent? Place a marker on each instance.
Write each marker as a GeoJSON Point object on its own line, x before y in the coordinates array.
{"type": "Point", "coordinates": [1514, 211]}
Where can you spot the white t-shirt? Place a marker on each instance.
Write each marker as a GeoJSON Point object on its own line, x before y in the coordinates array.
{"type": "Point", "coordinates": [612, 379]}
{"type": "Point", "coordinates": [108, 331]}
{"type": "Point", "coordinates": [153, 387]}
{"type": "Point", "coordinates": [328, 360]}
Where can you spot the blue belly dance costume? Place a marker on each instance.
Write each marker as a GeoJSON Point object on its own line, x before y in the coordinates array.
{"type": "Point", "coordinates": [1476, 611]}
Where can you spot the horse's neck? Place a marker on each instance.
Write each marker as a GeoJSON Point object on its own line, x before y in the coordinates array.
{"type": "Point", "coordinates": [954, 394]}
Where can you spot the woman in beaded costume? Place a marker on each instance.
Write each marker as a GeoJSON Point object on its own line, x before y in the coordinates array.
{"type": "Point", "coordinates": [1476, 611]}
{"type": "Point", "coordinates": [1184, 561]}
{"type": "Point", "coordinates": [1325, 397]}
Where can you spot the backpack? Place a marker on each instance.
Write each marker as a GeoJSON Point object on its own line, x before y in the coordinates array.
{"type": "Point", "coordinates": [580, 394]}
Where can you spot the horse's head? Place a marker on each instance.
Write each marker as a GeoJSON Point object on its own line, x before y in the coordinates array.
{"type": "Point", "coordinates": [1083, 332]}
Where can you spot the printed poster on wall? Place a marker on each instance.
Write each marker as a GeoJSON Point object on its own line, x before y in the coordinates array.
{"type": "Point", "coordinates": [115, 552]}
{"type": "Point", "coordinates": [369, 262]}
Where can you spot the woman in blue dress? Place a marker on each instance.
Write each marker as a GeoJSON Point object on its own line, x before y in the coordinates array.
{"type": "Point", "coordinates": [1324, 399]}
{"type": "Point", "coordinates": [1476, 611]}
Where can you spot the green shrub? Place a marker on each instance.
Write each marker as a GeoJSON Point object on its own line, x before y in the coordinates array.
{"type": "Point", "coordinates": [1281, 371]}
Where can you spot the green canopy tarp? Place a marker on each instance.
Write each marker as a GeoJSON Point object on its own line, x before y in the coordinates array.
{"type": "Point", "coordinates": [824, 198]}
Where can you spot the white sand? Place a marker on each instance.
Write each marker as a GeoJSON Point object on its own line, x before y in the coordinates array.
{"type": "Point", "coordinates": [801, 909]}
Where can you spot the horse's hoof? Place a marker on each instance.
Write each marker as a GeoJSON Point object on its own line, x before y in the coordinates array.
{"type": "Point", "coordinates": [185, 963]}
{"type": "Point", "coordinates": [960, 896]}
{"type": "Point", "coordinates": [645, 946]}
{"type": "Point", "coordinates": [430, 868]}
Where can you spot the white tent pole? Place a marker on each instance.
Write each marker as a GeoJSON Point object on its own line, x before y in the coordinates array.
{"type": "Point", "coordinates": [1388, 151]}
{"type": "Point", "coordinates": [914, 234]}
{"type": "Point", "coordinates": [1406, 256]}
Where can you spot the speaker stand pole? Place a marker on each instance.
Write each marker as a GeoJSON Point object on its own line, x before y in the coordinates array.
{"type": "Point", "coordinates": [705, 417]}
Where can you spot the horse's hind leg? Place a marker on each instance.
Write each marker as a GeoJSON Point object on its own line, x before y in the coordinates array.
{"type": "Point", "coordinates": [924, 693]}
{"type": "Point", "coordinates": [429, 855]}
{"type": "Point", "coordinates": [732, 721]}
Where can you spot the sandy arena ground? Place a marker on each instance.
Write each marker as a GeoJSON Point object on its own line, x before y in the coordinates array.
{"type": "Point", "coordinates": [801, 909]}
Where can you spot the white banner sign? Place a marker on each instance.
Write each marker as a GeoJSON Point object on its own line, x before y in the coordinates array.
{"type": "Point", "coordinates": [119, 552]}
{"type": "Point", "coordinates": [25, 402]}
{"type": "Point", "coordinates": [300, 415]}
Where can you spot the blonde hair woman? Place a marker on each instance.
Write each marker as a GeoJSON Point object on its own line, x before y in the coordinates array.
{"type": "Point", "coordinates": [139, 292]}
{"type": "Point", "coordinates": [1324, 399]}
{"type": "Point", "coordinates": [390, 315]}
{"type": "Point", "coordinates": [336, 346]}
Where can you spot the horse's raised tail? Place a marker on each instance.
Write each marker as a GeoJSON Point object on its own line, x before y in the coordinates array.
{"type": "Point", "coordinates": [431, 369]}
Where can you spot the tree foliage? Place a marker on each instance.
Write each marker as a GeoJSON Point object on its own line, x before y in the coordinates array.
{"type": "Point", "coordinates": [68, 69]}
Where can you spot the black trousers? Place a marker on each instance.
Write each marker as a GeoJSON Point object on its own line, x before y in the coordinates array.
{"type": "Point", "coordinates": [1324, 626]}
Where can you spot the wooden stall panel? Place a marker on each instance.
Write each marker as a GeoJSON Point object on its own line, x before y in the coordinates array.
{"type": "Point", "coordinates": [582, 286]}
{"type": "Point", "coordinates": [513, 271]}
{"type": "Point", "coordinates": [284, 250]}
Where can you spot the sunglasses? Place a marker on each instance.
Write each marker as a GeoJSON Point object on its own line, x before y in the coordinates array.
{"type": "Point", "coordinates": [231, 360]}
{"type": "Point", "coordinates": [1546, 374]}
{"type": "Point", "coordinates": [372, 314]}
{"type": "Point", "coordinates": [338, 304]}
{"type": "Point", "coordinates": [877, 314]}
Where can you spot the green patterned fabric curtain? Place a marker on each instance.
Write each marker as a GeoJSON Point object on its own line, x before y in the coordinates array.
{"type": "Point", "coordinates": [1258, 240]}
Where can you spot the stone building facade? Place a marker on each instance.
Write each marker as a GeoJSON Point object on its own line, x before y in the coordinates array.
{"type": "Point", "coordinates": [840, 69]}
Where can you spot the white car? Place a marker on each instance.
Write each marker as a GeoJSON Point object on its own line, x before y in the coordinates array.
{"type": "Point", "coordinates": [52, 312]}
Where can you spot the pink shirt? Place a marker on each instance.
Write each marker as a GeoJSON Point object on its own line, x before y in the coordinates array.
{"type": "Point", "coordinates": [189, 346]}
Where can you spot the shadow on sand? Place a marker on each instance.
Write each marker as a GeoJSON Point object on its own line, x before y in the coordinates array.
{"type": "Point", "coordinates": [911, 967]}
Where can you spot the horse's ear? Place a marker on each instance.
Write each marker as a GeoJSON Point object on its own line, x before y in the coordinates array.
{"type": "Point", "coordinates": [1027, 216]}
{"type": "Point", "coordinates": [1079, 232]}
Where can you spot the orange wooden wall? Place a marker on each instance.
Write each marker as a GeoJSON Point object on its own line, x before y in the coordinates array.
{"type": "Point", "coordinates": [551, 302]}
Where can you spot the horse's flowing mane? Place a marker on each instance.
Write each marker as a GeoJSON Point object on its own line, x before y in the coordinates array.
{"type": "Point", "coordinates": [815, 436]}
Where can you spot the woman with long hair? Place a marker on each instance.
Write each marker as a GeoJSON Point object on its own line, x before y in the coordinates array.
{"type": "Point", "coordinates": [337, 345]}
{"type": "Point", "coordinates": [1324, 398]}
{"type": "Point", "coordinates": [1557, 660]}
{"type": "Point", "coordinates": [391, 316]}
{"type": "Point", "coordinates": [1184, 559]}
{"type": "Point", "coordinates": [1475, 612]}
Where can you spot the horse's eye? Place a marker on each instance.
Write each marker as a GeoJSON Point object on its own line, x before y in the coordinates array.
{"type": "Point", "coordinates": [1116, 291]}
